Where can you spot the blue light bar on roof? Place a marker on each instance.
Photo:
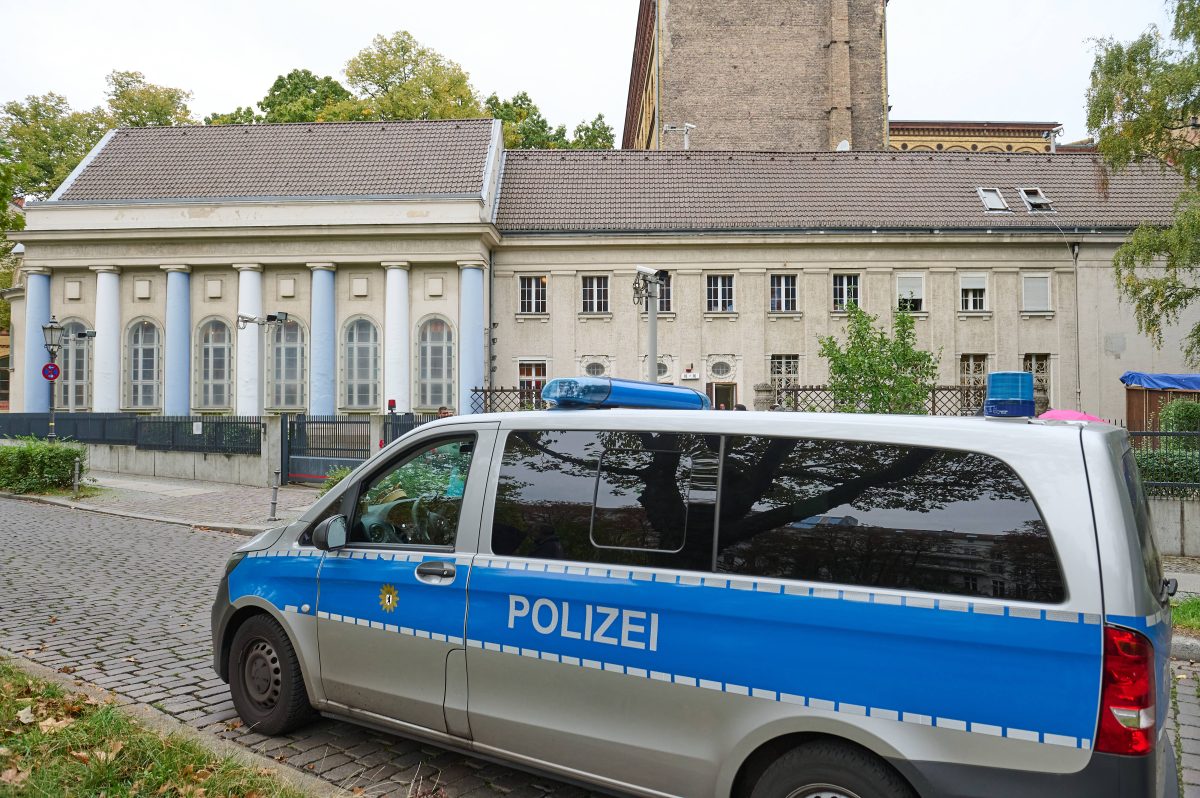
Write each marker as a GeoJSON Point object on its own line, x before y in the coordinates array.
{"type": "Point", "coordinates": [1009, 394]}
{"type": "Point", "coordinates": [605, 392]}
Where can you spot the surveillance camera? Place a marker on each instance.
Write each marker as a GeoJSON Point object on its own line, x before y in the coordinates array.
{"type": "Point", "coordinates": [281, 316]}
{"type": "Point", "coordinates": [646, 270]}
{"type": "Point", "coordinates": [87, 334]}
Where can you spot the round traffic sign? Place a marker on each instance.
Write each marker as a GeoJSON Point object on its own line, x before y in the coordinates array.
{"type": "Point", "coordinates": [50, 371]}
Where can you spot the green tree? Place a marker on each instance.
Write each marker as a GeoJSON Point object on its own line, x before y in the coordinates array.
{"type": "Point", "coordinates": [10, 220]}
{"type": "Point", "coordinates": [403, 79]}
{"type": "Point", "coordinates": [48, 139]}
{"type": "Point", "coordinates": [594, 135]}
{"type": "Point", "coordinates": [132, 102]}
{"type": "Point", "coordinates": [878, 373]}
{"type": "Point", "coordinates": [525, 128]}
{"type": "Point", "coordinates": [1143, 106]}
{"type": "Point", "coordinates": [300, 96]}
{"type": "Point", "coordinates": [238, 116]}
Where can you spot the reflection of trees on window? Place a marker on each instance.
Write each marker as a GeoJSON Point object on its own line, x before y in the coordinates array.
{"type": "Point", "coordinates": [880, 515]}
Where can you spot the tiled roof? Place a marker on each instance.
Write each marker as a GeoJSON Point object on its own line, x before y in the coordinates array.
{"type": "Point", "coordinates": [632, 191]}
{"type": "Point", "coordinates": [295, 160]}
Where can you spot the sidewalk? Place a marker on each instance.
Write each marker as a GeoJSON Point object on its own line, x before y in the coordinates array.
{"type": "Point", "coordinates": [207, 505]}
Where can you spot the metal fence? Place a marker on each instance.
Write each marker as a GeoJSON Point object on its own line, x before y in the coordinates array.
{"type": "Point", "coordinates": [209, 434]}
{"type": "Point", "coordinates": [944, 400]}
{"type": "Point", "coordinates": [396, 425]}
{"type": "Point", "coordinates": [506, 400]}
{"type": "Point", "coordinates": [1169, 462]}
{"type": "Point", "coordinates": [345, 437]}
{"type": "Point", "coordinates": [113, 428]}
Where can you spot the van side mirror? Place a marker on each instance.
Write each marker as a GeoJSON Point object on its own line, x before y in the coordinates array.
{"type": "Point", "coordinates": [330, 534]}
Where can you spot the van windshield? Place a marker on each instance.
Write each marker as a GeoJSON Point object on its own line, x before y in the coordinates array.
{"type": "Point", "coordinates": [1141, 514]}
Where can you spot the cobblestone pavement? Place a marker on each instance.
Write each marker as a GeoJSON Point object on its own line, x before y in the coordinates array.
{"type": "Point", "coordinates": [124, 604]}
{"type": "Point", "coordinates": [195, 502]}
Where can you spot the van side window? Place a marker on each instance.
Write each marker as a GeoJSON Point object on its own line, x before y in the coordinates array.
{"type": "Point", "coordinates": [618, 498]}
{"type": "Point", "coordinates": [878, 515]}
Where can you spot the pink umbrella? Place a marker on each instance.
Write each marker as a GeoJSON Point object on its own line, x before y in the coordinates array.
{"type": "Point", "coordinates": [1068, 415]}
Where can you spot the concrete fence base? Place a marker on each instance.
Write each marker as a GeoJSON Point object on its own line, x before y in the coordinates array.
{"type": "Point", "coordinates": [1176, 526]}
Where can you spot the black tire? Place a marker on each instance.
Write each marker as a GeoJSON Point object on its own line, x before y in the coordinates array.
{"type": "Point", "coordinates": [830, 769]}
{"type": "Point", "coordinates": [265, 678]}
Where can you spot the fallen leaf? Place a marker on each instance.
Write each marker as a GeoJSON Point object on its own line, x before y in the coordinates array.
{"type": "Point", "coordinates": [233, 724]}
{"type": "Point", "coordinates": [66, 669]}
{"type": "Point", "coordinates": [26, 715]}
{"type": "Point", "coordinates": [82, 756]}
{"type": "Point", "coordinates": [53, 619]}
{"type": "Point", "coordinates": [51, 725]}
{"type": "Point", "coordinates": [14, 777]}
{"type": "Point", "coordinates": [358, 791]}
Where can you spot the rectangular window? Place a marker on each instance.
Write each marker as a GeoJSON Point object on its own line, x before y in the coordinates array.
{"type": "Point", "coordinates": [664, 295]}
{"type": "Point", "coordinates": [720, 293]}
{"type": "Point", "coordinates": [531, 378]}
{"type": "Point", "coordinates": [595, 295]}
{"type": "Point", "coordinates": [992, 199]}
{"type": "Point", "coordinates": [1036, 201]}
{"type": "Point", "coordinates": [783, 293]}
{"type": "Point", "coordinates": [973, 291]}
{"type": "Point", "coordinates": [1035, 292]}
{"type": "Point", "coordinates": [845, 291]}
{"type": "Point", "coordinates": [972, 378]}
{"type": "Point", "coordinates": [910, 292]}
{"type": "Point", "coordinates": [785, 371]}
{"type": "Point", "coordinates": [1039, 366]}
{"type": "Point", "coordinates": [880, 515]}
{"type": "Point", "coordinates": [532, 295]}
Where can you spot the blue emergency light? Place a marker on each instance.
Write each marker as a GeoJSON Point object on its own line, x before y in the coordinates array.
{"type": "Point", "coordinates": [1009, 394]}
{"type": "Point", "coordinates": [605, 392]}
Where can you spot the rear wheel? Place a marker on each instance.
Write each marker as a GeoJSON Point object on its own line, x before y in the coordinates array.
{"type": "Point", "coordinates": [265, 680]}
{"type": "Point", "coordinates": [830, 769]}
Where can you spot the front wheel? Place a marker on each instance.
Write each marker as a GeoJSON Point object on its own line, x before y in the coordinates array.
{"type": "Point", "coordinates": [265, 680]}
{"type": "Point", "coordinates": [830, 769]}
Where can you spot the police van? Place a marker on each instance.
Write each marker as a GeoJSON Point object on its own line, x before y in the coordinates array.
{"type": "Point", "coordinates": [675, 602]}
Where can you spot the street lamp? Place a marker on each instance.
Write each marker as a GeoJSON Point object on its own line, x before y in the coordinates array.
{"type": "Point", "coordinates": [52, 331]}
{"type": "Point", "coordinates": [647, 287]}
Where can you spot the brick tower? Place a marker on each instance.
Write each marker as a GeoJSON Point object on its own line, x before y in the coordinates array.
{"type": "Point", "coordinates": [759, 75]}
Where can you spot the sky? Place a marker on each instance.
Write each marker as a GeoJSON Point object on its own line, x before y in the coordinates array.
{"type": "Point", "coordinates": [948, 59]}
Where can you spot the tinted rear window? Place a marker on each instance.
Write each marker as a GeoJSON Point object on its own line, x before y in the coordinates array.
{"type": "Point", "coordinates": [878, 515]}
{"type": "Point", "coordinates": [1141, 514]}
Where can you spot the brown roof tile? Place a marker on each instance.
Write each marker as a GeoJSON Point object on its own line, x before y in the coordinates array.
{"type": "Point", "coordinates": [633, 191]}
{"type": "Point", "coordinates": [293, 160]}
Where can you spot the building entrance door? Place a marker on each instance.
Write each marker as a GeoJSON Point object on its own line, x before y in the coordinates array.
{"type": "Point", "coordinates": [723, 395]}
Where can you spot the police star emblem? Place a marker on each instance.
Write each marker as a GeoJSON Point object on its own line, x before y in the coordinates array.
{"type": "Point", "coordinates": [388, 598]}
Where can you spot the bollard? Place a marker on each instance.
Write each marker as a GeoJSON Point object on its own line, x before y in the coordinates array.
{"type": "Point", "coordinates": [75, 481]}
{"type": "Point", "coordinates": [275, 497]}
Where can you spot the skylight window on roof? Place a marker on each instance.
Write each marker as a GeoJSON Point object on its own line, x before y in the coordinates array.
{"type": "Point", "coordinates": [992, 199]}
{"type": "Point", "coordinates": [1035, 200]}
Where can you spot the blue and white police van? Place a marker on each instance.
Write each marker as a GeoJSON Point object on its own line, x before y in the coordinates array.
{"type": "Point", "coordinates": [677, 602]}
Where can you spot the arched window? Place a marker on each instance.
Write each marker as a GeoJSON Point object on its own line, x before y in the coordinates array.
{"type": "Point", "coordinates": [215, 344]}
{"type": "Point", "coordinates": [287, 367]}
{"type": "Point", "coordinates": [360, 363]}
{"type": "Point", "coordinates": [142, 385]}
{"type": "Point", "coordinates": [75, 383]}
{"type": "Point", "coordinates": [435, 364]}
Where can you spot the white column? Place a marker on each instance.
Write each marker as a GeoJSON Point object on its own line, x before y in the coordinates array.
{"type": "Point", "coordinates": [106, 349]}
{"type": "Point", "coordinates": [323, 387]}
{"type": "Point", "coordinates": [37, 313]}
{"type": "Point", "coordinates": [177, 355]}
{"type": "Point", "coordinates": [397, 344]}
{"type": "Point", "coordinates": [471, 343]}
{"type": "Point", "coordinates": [248, 396]}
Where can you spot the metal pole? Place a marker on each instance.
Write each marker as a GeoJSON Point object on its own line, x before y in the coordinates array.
{"type": "Point", "coordinates": [75, 482]}
{"type": "Point", "coordinates": [652, 332]}
{"type": "Point", "coordinates": [51, 437]}
{"type": "Point", "coordinates": [274, 497]}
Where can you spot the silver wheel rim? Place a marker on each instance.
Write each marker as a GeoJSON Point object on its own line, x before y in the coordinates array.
{"type": "Point", "coordinates": [261, 675]}
{"type": "Point", "coordinates": [821, 791]}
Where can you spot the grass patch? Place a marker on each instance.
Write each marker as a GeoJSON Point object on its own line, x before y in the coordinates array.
{"type": "Point", "coordinates": [1185, 615]}
{"type": "Point", "coordinates": [85, 492]}
{"type": "Point", "coordinates": [53, 742]}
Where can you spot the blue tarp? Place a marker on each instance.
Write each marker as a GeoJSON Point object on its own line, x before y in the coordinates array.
{"type": "Point", "coordinates": [1162, 382]}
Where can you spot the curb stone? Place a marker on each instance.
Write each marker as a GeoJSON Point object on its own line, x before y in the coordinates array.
{"type": "Point", "coordinates": [1184, 646]}
{"type": "Point", "coordinates": [249, 530]}
{"type": "Point", "coordinates": [163, 723]}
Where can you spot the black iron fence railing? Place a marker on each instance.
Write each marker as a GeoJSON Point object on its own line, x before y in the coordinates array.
{"type": "Point", "coordinates": [506, 400]}
{"type": "Point", "coordinates": [209, 434]}
{"type": "Point", "coordinates": [115, 428]}
{"type": "Point", "coordinates": [944, 400]}
{"type": "Point", "coordinates": [1169, 462]}
{"type": "Point", "coordinates": [346, 437]}
{"type": "Point", "coordinates": [396, 425]}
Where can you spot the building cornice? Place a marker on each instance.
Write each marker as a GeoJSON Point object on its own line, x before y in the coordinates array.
{"type": "Point", "coordinates": [485, 232]}
{"type": "Point", "coordinates": [808, 238]}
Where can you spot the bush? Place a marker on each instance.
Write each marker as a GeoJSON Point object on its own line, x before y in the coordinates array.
{"type": "Point", "coordinates": [35, 466]}
{"type": "Point", "coordinates": [333, 477]}
{"type": "Point", "coordinates": [1180, 415]}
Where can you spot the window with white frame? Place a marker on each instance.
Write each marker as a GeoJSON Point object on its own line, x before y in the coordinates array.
{"type": "Point", "coordinates": [910, 292]}
{"type": "Point", "coordinates": [972, 289]}
{"type": "Point", "coordinates": [360, 365]}
{"type": "Point", "coordinates": [845, 291]}
{"type": "Point", "coordinates": [992, 199]}
{"type": "Point", "coordinates": [1036, 201]}
{"type": "Point", "coordinates": [785, 371]}
{"type": "Point", "coordinates": [1038, 364]}
{"type": "Point", "coordinates": [595, 294]}
{"type": "Point", "coordinates": [533, 294]}
{"type": "Point", "coordinates": [1035, 292]}
{"type": "Point", "coordinates": [594, 369]}
{"type": "Point", "coordinates": [75, 382]}
{"type": "Point", "coordinates": [783, 293]}
{"type": "Point", "coordinates": [531, 378]}
{"type": "Point", "coordinates": [287, 367]}
{"type": "Point", "coordinates": [215, 344]}
{"type": "Point", "coordinates": [435, 364]}
{"type": "Point", "coordinates": [143, 376]}
{"type": "Point", "coordinates": [720, 293]}
{"type": "Point", "coordinates": [972, 377]}
{"type": "Point", "coordinates": [664, 295]}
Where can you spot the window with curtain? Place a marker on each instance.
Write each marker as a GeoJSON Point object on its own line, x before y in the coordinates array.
{"type": "Point", "coordinates": [360, 361]}
{"type": "Point", "coordinates": [215, 344]}
{"type": "Point", "coordinates": [75, 383]}
{"type": "Point", "coordinates": [1036, 292]}
{"type": "Point", "coordinates": [145, 346]}
{"type": "Point", "coordinates": [435, 364]}
{"type": "Point", "coordinates": [287, 367]}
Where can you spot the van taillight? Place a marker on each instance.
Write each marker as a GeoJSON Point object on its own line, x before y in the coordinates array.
{"type": "Point", "coordinates": [1127, 695]}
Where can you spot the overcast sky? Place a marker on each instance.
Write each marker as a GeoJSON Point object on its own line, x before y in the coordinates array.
{"type": "Point", "coordinates": [948, 59]}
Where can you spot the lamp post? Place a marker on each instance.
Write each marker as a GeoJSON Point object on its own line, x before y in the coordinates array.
{"type": "Point", "coordinates": [52, 331]}
{"type": "Point", "coordinates": [647, 287]}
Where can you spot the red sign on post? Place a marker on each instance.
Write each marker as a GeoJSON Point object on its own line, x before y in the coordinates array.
{"type": "Point", "coordinates": [50, 371]}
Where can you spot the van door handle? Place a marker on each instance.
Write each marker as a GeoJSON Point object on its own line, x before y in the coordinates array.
{"type": "Point", "coordinates": [435, 569]}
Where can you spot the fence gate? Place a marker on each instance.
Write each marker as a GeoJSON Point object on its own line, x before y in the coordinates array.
{"type": "Point", "coordinates": [315, 445]}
